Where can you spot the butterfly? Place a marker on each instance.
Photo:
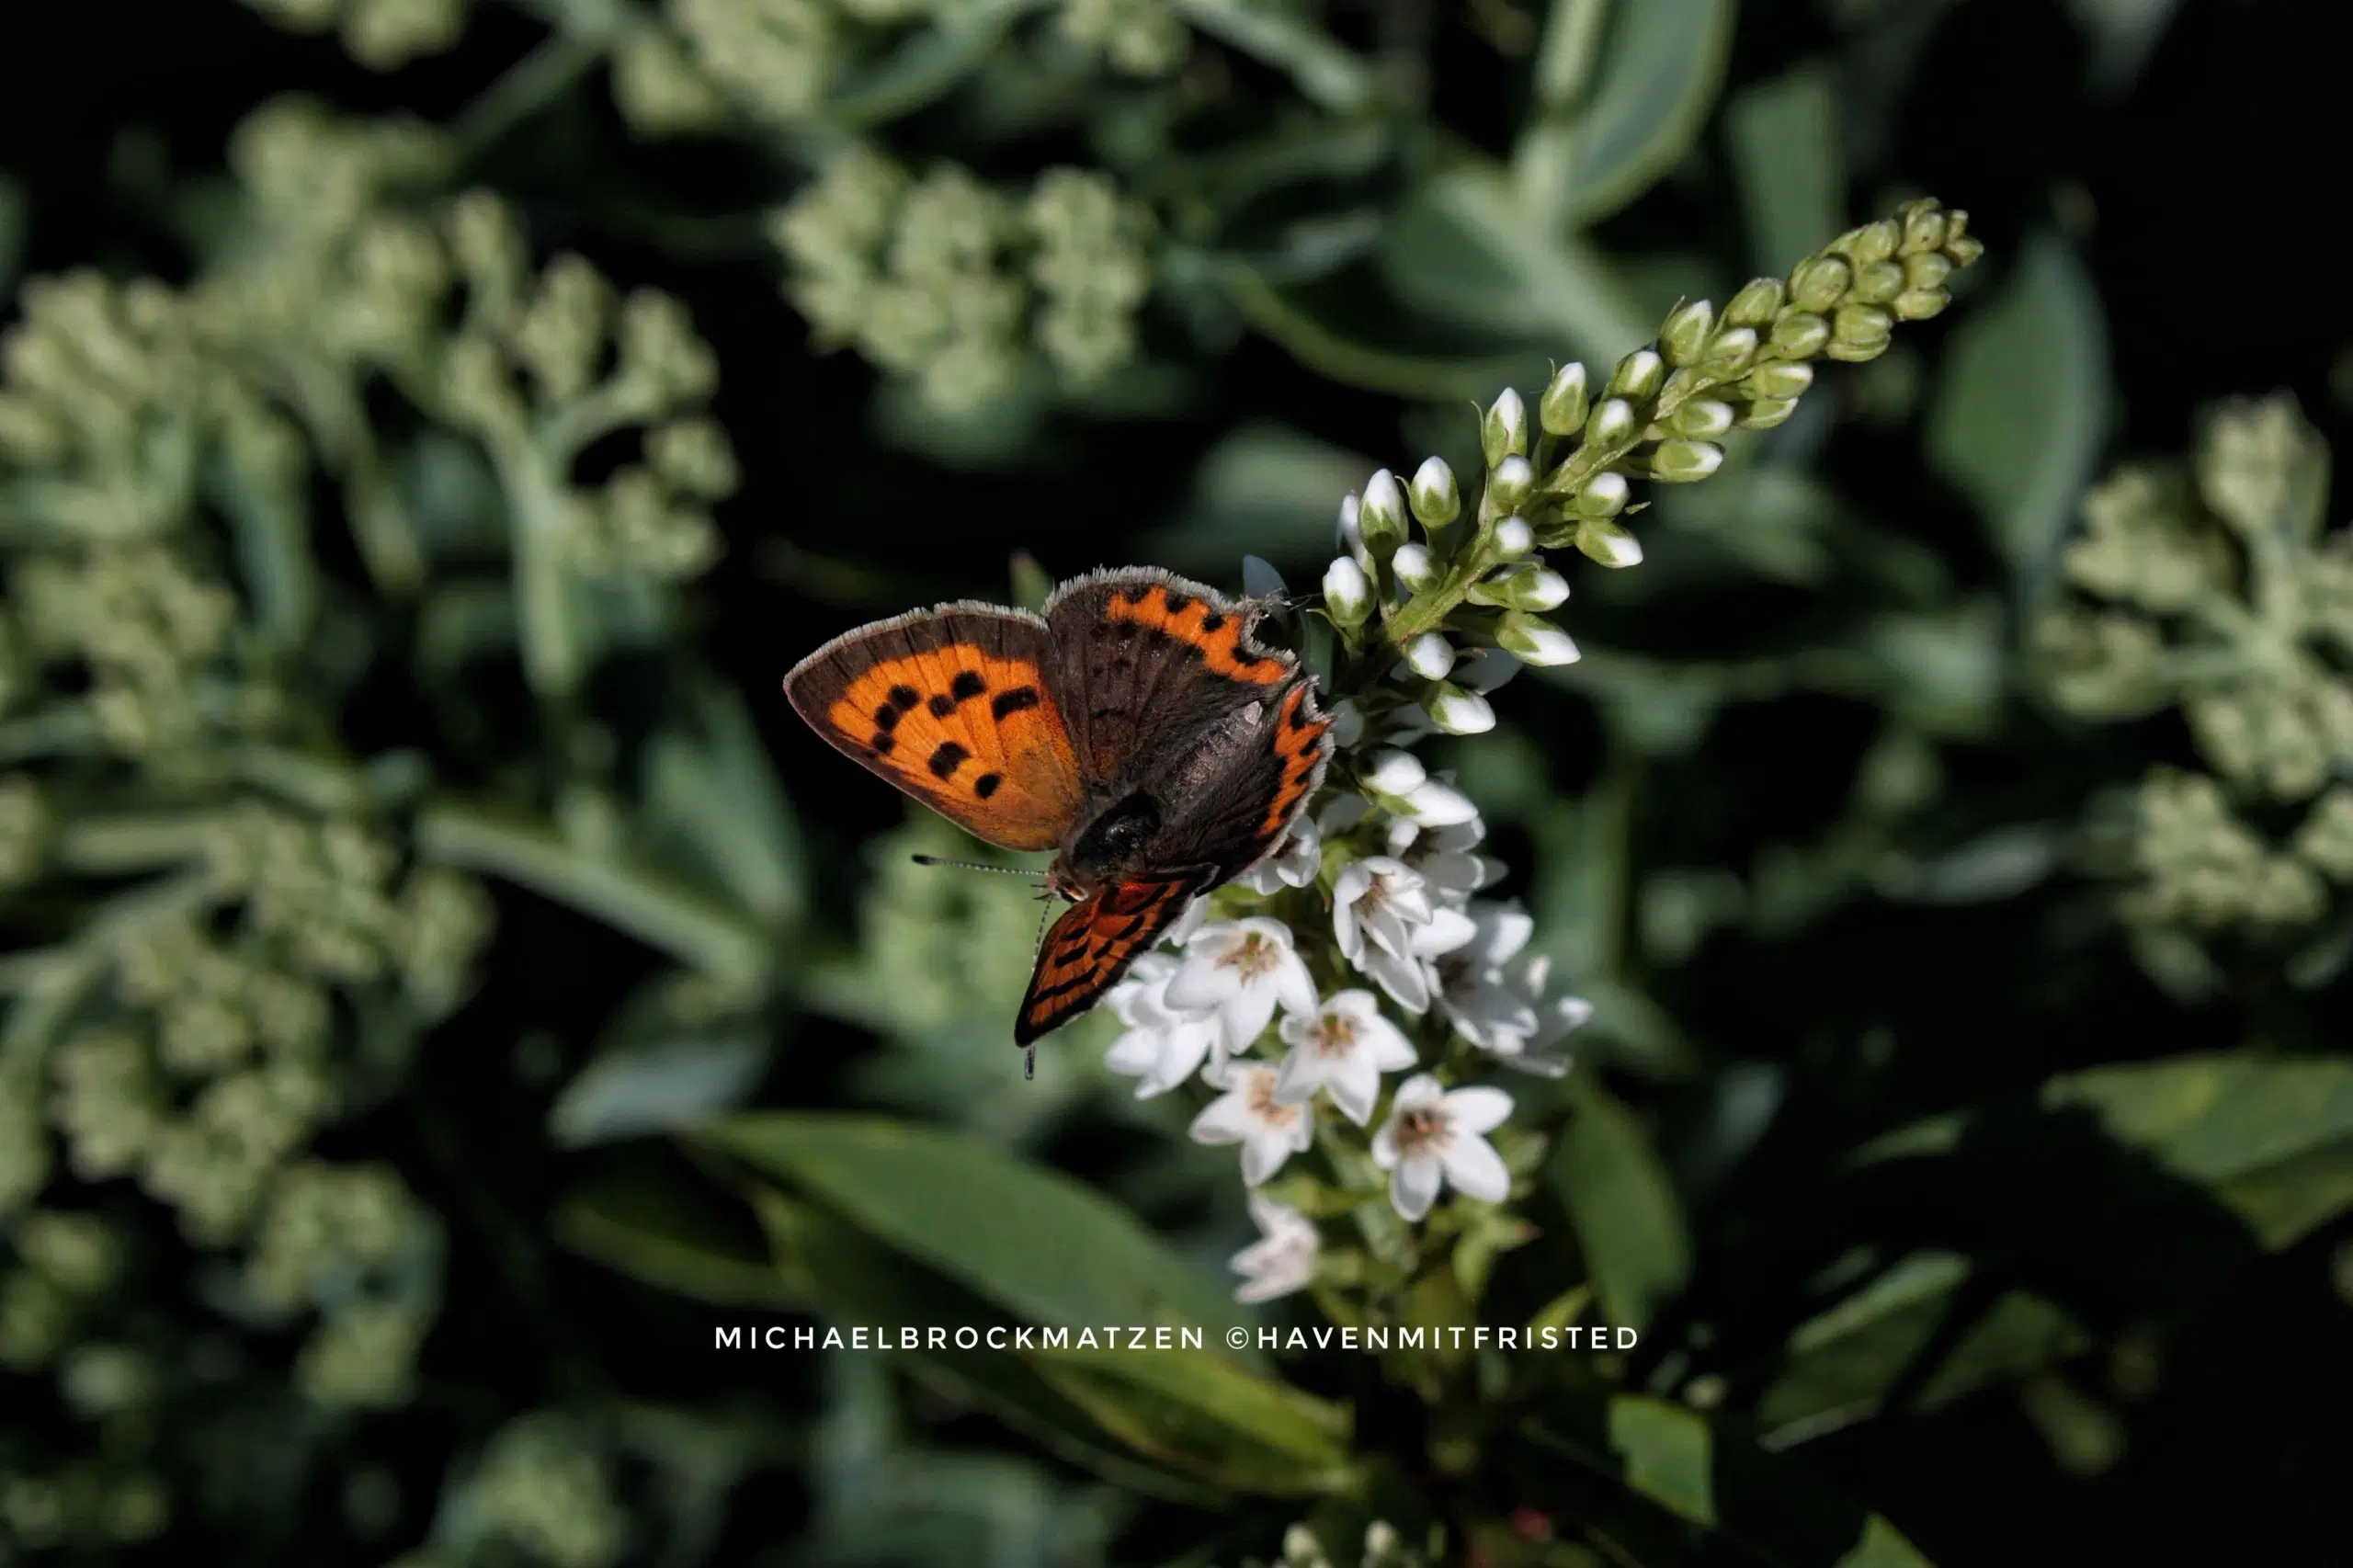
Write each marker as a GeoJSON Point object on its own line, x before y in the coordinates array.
{"type": "Point", "coordinates": [1134, 729]}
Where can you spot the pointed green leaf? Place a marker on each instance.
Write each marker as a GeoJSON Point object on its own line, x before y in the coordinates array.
{"type": "Point", "coordinates": [1628, 1222]}
{"type": "Point", "coordinates": [1198, 1413]}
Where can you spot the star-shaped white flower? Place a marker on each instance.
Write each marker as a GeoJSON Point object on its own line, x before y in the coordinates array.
{"type": "Point", "coordinates": [1292, 866]}
{"type": "Point", "coordinates": [1248, 1114]}
{"type": "Point", "coordinates": [1342, 1049]}
{"type": "Point", "coordinates": [1445, 858]}
{"type": "Point", "coordinates": [1162, 1045]}
{"type": "Point", "coordinates": [1387, 925]}
{"type": "Point", "coordinates": [1555, 1018]}
{"type": "Point", "coordinates": [1434, 1138]}
{"type": "Point", "coordinates": [1473, 991]}
{"type": "Point", "coordinates": [1282, 1260]}
{"type": "Point", "coordinates": [1237, 971]}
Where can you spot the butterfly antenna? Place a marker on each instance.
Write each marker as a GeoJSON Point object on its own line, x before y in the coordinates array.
{"type": "Point", "coordinates": [975, 866]}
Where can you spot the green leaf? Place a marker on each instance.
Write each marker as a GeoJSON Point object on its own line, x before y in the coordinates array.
{"type": "Point", "coordinates": [1782, 135]}
{"type": "Point", "coordinates": [1776, 1510]}
{"type": "Point", "coordinates": [663, 1233]}
{"type": "Point", "coordinates": [1312, 325]}
{"type": "Point", "coordinates": [849, 1276]}
{"type": "Point", "coordinates": [2270, 1140]}
{"type": "Point", "coordinates": [1198, 1413]}
{"type": "Point", "coordinates": [2021, 405]}
{"type": "Point", "coordinates": [1629, 1222]}
{"type": "Point", "coordinates": [1460, 249]}
{"type": "Point", "coordinates": [1841, 1364]}
{"type": "Point", "coordinates": [1661, 65]}
{"type": "Point", "coordinates": [710, 790]}
{"type": "Point", "coordinates": [659, 1086]}
{"type": "Point", "coordinates": [1040, 1244]}
{"type": "Point", "coordinates": [1265, 489]}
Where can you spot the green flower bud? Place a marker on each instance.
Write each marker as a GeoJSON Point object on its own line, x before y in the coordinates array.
{"type": "Point", "coordinates": [1527, 585]}
{"type": "Point", "coordinates": [1603, 495]}
{"type": "Point", "coordinates": [1431, 655]}
{"type": "Point", "coordinates": [1919, 304]}
{"type": "Point", "coordinates": [1857, 353]}
{"type": "Point", "coordinates": [1512, 482]}
{"type": "Point", "coordinates": [1878, 283]}
{"type": "Point", "coordinates": [1702, 417]}
{"type": "Point", "coordinates": [1768, 411]}
{"type": "Point", "coordinates": [1861, 324]}
{"type": "Point", "coordinates": [1436, 499]}
{"type": "Point", "coordinates": [1872, 243]}
{"type": "Point", "coordinates": [1415, 572]}
{"type": "Point", "coordinates": [1679, 462]}
{"type": "Point", "coordinates": [1928, 270]}
{"type": "Point", "coordinates": [1504, 432]}
{"type": "Point", "coordinates": [1561, 412]}
{"type": "Point", "coordinates": [1819, 283]}
{"type": "Point", "coordinates": [1608, 542]}
{"type": "Point", "coordinates": [1347, 594]}
{"type": "Point", "coordinates": [1800, 334]}
{"type": "Point", "coordinates": [1925, 228]}
{"type": "Point", "coordinates": [1778, 379]}
{"type": "Point", "coordinates": [1687, 332]}
{"type": "Point", "coordinates": [1612, 423]}
{"type": "Point", "coordinates": [1381, 516]}
{"type": "Point", "coordinates": [1639, 375]}
{"type": "Point", "coordinates": [1730, 353]}
{"type": "Point", "coordinates": [1534, 641]}
{"type": "Point", "coordinates": [1964, 249]}
{"type": "Point", "coordinates": [1759, 302]}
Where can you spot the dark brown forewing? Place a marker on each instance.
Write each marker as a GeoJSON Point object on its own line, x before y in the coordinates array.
{"type": "Point", "coordinates": [955, 706]}
{"type": "Point", "coordinates": [1255, 789]}
{"type": "Point", "coordinates": [1144, 662]}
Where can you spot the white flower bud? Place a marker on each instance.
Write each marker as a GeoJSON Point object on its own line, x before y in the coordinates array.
{"type": "Point", "coordinates": [1535, 641]}
{"type": "Point", "coordinates": [1604, 495]}
{"type": "Point", "coordinates": [1415, 568]}
{"type": "Point", "coordinates": [1682, 461]}
{"type": "Point", "coordinates": [1349, 535]}
{"type": "Point", "coordinates": [1347, 593]}
{"type": "Point", "coordinates": [1527, 585]}
{"type": "Point", "coordinates": [1431, 655]}
{"type": "Point", "coordinates": [1504, 432]}
{"type": "Point", "coordinates": [1381, 518]}
{"type": "Point", "coordinates": [1514, 537]}
{"type": "Point", "coordinates": [1395, 772]}
{"type": "Point", "coordinates": [1460, 712]}
{"type": "Point", "coordinates": [1563, 409]}
{"type": "Point", "coordinates": [1436, 499]}
{"type": "Point", "coordinates": [1511, 481]}
{"type": "Point", "coordinates": [1608, 542]}
{"type": "Point", "coordinates": [1639, 374]}
{"type": "Point", "coordinates": [1612, 423]}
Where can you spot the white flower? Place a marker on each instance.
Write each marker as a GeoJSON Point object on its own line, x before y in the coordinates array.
{"type": "Point", "coordinates": [1472, 990]}
{"type": "Point", "coordinates": [1343, 1050]}
{"type": "Point", "coordinates": [1388, 926]}
{"type": "Point", "coordinates": [1349, 535]}
{"type": "Point", "coordinates": [1341, 812]}
{"type": "Point", "coordinates": [1283, 1259]}
{"type": "Point", "coordinates": [1443, 856]}
{"type": "Point", "coordinates": [1434, 1136]}
{"type": "Point", "coordinates": [1555, 1017]}
{"type": "Point", "coordinates": [1248, 1114]}
{"type": "Point", "coordinates": [1235, 971]}
{"type": "Point", "coordinates": [1162, 1045]}
{"type": "Point", "coordinates": [1431, 655]}
{"type": "Point", "coordinates": [1293, 866]}
{"type": "Point", "coordinates": [1347, 592]}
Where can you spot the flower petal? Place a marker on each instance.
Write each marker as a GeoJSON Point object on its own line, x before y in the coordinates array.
{"type": "Point", "coordinates": [1478, 1110]}
{"type": "Point", "coordinates": [1475, 1169]}
{"type": "Point", "coordinates": [1413, 1186]}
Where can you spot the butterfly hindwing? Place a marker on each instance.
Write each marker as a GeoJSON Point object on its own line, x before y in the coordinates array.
{"type": "Point", "coordinates": [956, 707]}
{"type": "Point", "coordinates": [1146, 662]}
{"type": "Point", "coordinates": [1093, 943]}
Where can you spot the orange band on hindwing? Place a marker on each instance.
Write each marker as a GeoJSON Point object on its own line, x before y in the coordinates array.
{"type": "Point", "coordinates": [1299, 741]}
{"type": "Point", "coordinates": [1093, 943]}
{"type": "Point", "coordinates": [1215, 634]}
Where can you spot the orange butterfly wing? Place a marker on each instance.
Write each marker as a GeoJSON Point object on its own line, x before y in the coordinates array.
{"type": "Point", "coordinates": [1093, 943]}
{"type": "Point", "coordinates": [952, 706]}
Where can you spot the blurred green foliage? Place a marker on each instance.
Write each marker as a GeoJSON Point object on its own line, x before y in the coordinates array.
{"type": "Point", "coordinates": [438, 987]}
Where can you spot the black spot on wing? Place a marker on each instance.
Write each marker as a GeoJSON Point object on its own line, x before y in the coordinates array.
{"type": "Point", "coordinates": [883, 741]}
{"type": "Point", "coordinates": [905, 697]}
{"type": "Point", "coordinates": [942, 705]}
{"type": "Point", "coordinates": [968, 683]}
{"type": "Point", "coordinates": [946, 759]}
{"type": "Point", "coordinates": [1213, 621]}
{"type": "Point", "coordinates": [986, 785]}
{"type": "Point", "coordinates": [887, 716]}
{"type": "Point", "coordinates": [1005, 704]}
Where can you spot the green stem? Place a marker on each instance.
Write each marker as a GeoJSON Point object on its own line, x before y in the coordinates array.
{"type": "Point", "coordinates": [1330, 76]}
{"type": "Point", "coordinates": [539, 77]}
{"type": "Point", "coordinates": [656, 911]}
{"type": "Point", "coordinates": [114, 846]}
